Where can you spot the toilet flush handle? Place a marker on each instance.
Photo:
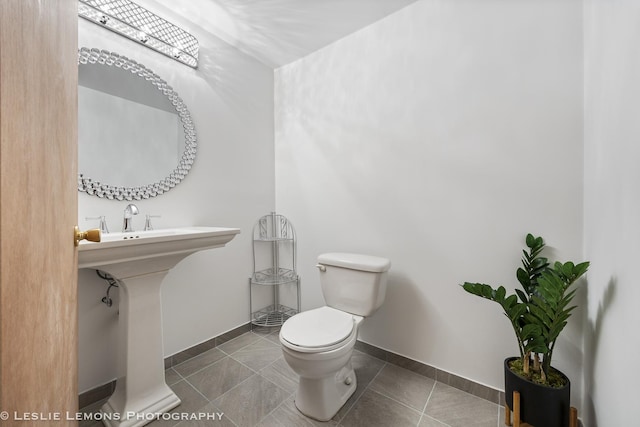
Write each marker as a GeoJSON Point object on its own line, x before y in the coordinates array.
{"type": "Point", "coordinates": [321, 267]}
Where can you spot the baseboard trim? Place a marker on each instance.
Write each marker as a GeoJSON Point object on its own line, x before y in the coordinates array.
{"type": "Point", "coordinates": [471, 387]}
{"type": "Point", "coordinates": [96, 394]}
{"type": "Point", "coordinates": [479, 390]}
{"type": "Point", "coordinates": [197, 349]}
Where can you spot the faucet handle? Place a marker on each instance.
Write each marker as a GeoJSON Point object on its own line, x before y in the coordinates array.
{"type": "Point", "coordinates": [103, 223]}
{"type": "Point", "coordinates": [147, 222]}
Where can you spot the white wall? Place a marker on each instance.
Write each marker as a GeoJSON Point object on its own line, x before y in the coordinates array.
{"type": "Point", "coordinates": [424, 138]}
{"type": "Point", "coordinates": [438, 137]}
{"type": "Point", "coordinates": [231, 184]}
{"type": "Point", "coordinates": [612, 209]}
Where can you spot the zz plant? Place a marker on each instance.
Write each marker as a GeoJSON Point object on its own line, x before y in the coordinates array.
{"type": "Point", "coordinates": [539, 311]}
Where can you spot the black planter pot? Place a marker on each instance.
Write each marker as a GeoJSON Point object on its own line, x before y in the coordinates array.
{"type": "Point", "coordinates": [540, 405]}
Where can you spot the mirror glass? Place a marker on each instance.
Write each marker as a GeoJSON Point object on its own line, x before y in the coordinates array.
{"type": "Point", "coordinates": [135, 135]}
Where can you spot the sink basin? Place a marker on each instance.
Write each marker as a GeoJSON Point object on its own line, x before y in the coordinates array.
{"type": "Point", "coordinates": [128, 254]}
{"type": "Point", "coordinates": [140, 261]}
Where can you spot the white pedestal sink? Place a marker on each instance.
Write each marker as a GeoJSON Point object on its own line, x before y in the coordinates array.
{"type": "Point", "coordinates": [140, 261]}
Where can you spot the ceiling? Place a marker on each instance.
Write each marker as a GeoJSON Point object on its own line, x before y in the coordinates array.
{"type": "Point", "coordinates": [276, 32]}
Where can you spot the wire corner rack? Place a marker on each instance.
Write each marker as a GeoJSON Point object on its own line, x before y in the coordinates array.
{"type": "Point", "coordinates": [275, 284]}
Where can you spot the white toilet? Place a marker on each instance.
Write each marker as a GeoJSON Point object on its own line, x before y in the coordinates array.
{"type": "Point", "coordinates": [317, 344]}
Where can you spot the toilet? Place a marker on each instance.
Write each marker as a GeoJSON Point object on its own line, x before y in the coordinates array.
{"type": "Point", "coordinates": [317, 344]}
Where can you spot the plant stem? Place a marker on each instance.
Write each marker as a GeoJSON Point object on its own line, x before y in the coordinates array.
{"type": "Point", "coordinates": [536, 362]}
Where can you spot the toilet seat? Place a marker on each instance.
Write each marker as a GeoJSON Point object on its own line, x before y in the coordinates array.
{"type": "Point", "coordinates": [318, 330]}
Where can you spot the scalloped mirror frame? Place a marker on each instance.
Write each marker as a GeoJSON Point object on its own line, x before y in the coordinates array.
{"type": "Point", "coordinates": [104, 190]}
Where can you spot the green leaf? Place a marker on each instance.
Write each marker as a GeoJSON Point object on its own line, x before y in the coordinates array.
{"type": "Point", "coordinates": [487, 292]}
{"type": "Point", "coordinates": [549, 311]}
{"type": "Point", "coordinates": [566, 299]}
{"type": "Point", "coordinates": [581, 268]}
{"type": "Point", "coordinates": [550, 286]}
{"type": "Point", "coordinates": [539, 263]}
{"type": "Point", "coordinates": [530, 240]}
{"type": "Point", "coordinates": [530, 330]}
{"type": "Point", "coordinates": [510, 301]}
{"type": "Point", "coordinates": [523, 278]}
{"type": "Point", "coordinates": [541, 315]}
{"type": "Point", "coordinates": [473, 288]}
{"type": "Point", "coordinates": [555, 331]}
{"type": "Point", "coordinates": [536, 345]}
{"type": "Point", "coordinates": [567, 269]}
{"type": "Point", "coordinates": [522, 295]}
{"type": "Point", "coordinates": [515, 312]}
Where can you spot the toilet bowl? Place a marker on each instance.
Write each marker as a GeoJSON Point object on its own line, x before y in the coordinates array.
{"type": "Point", "coordinates": [322, 359]}
{"type": "Point", "coordinates": [318, 344]}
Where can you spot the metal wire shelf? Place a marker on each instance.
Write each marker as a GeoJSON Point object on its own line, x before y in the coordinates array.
{"type": "Point", "coordinates": [273, 315]}
{"type": "Point", "coordinates": [274, 265]}
{"type": "Point", "coordinates": [271, 277]}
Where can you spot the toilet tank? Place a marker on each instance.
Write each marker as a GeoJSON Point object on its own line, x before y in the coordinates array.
{"type": "Point", "coordinates": [354, 283]}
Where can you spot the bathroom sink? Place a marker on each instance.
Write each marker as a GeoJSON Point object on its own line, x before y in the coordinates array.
{"type": "Point", "coordinates": [140, 261]}
{"type": "Point", "coordinates": [128, 254]}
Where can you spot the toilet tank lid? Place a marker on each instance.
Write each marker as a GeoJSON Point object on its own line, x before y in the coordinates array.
{"type": "Point", "coordinates": [355, 261]}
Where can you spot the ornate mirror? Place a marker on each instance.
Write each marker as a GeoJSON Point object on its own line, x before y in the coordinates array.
{"type": "Point", "coordinates": [136, 138]}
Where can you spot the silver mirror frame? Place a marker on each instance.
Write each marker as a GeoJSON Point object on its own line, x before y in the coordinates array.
{"type": "Point", "coordinates": [104, 190]}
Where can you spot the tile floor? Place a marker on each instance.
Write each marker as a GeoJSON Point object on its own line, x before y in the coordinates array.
{"type": "Point", "coordinates": [248, 380]}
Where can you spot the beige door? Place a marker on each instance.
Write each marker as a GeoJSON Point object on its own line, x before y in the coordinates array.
{"type": "Point", "coordinates": [38, 210]}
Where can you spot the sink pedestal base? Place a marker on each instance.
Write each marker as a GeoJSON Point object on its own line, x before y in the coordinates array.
{"type": "Point", "coordinates": [131, 416]}
{"type": "Point", "coordinates": [141, 392]}
{"type": "Point", "coordinates": [140, 261]}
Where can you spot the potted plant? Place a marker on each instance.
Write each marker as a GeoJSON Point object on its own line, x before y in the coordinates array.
{"type": "Point", "coordinates": [538, 313]}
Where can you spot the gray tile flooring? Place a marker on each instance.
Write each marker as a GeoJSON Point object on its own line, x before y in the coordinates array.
{"type": "Point", "coordinates": [248, 381]}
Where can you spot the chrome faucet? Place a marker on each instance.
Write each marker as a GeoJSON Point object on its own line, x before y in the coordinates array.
{"type": "Point", "coordinates": [103, 223]}
{"type": "Point", "coordinates": [129, 212]}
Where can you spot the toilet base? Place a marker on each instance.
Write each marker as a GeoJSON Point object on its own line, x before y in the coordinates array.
{"type": "Point", "coordinates": [322, 398]}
